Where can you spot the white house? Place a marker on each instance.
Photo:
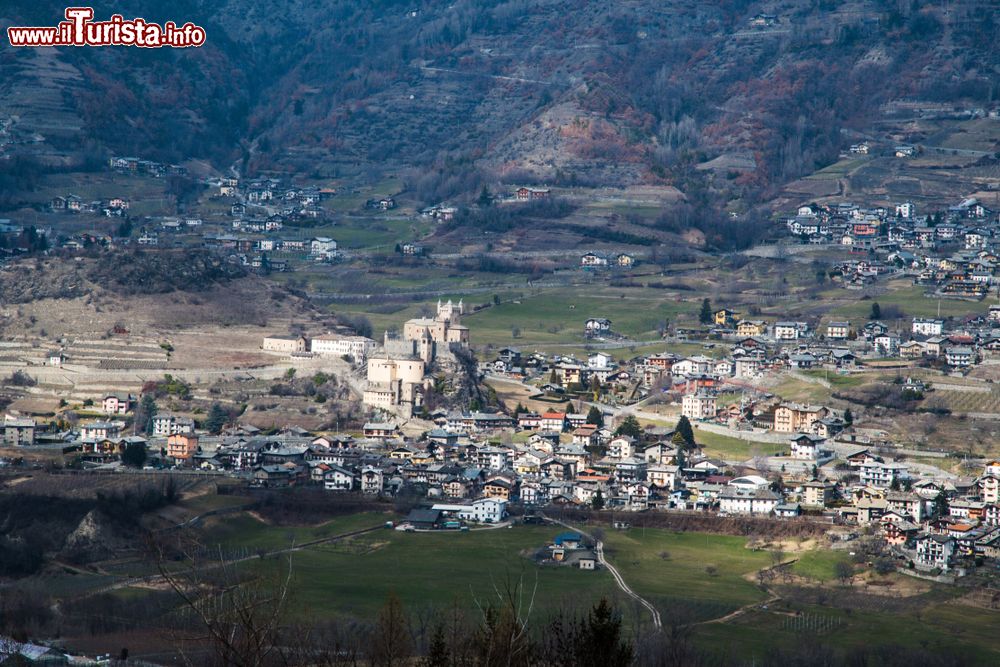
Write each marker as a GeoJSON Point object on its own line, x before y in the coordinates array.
{"type": "Point", "coordinates": [621, 447]}
{"type": "Point", "coordinates": [887, 345]}
{"type": "Point", "coordinates": [905, 210]}
{"type": "Point", "coordinates": [371, 479]}
{"type": "Point", "coordinates": [924, 326]}
{"type": "Point", "coordinates": [786, 331]}
{"type": "Point", "coordinates": [838, 330]}
{"type": "Point", "coordinates": [338, 479]}
{"type": "Point", "coordinates": [696, 365]}
{"type": "Point", "coordinates": [959, 356]}
{"type": "Point", "coordinates": [700, 405]}
{"type": "Point", "coordinates": [597, 325]}
{"type": "Point", "coordinates": [934, 551]}
{"type": "Point", "coordinates": [733, 500]}
{"type": "Point", "coordinates": [806, 446]}
{"type": "Point", "coordinates": [493, 458]}
{"type": "Point", "coordinates": [600, 360]}
{"type": "Point", "coordinates": [481, 510]}
{"type": "Point", "coordinates": [322, 246]}
{"type": "Point", "coordinates": [882, 475]}
{"type": "Point", "coordinates": [593, 259]}
{"type": "Point", "coordinates": [101, 430]}
{"type": "Point", "coordinates": [165, 424]}
{"type": "Point", "coordinates": [749, 483]}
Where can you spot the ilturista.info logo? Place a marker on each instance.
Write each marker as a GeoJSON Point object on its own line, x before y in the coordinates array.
{"type": "Point", "coordinates": [80, 29]}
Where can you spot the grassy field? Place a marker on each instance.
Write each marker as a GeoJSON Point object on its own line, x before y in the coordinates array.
{"type": "Point", "coordinates": [671, 570]}
{"type": "Point", "coordinates": [937, 627]}
{"type": "Point", "coordinates": [691, 577]}
{"type": "Point", "coordinates": [838, 169]}
{"type": "Point", "coordinates": [818, 564]}
{"type": "Point", "coordinates": [558, 316]}
{"type": "Point", "coordinates": [548, 320]}
{"type": "Point", "coordinates": [791, 388]}
{"type": "Point", "coordinates": [910, 299]}
{"type": "Point", "coordinates": [730, 448]}
{"type": "Point", "coordinates": [838, 381]}
{"type": "Point", "coordinates": [347, 200]}
{"type": "Point", "coordinates": [354, 577]}
{"type": "Point", "coordinates": [437, 570]}
{"type": "Point", "coordinates": [245, 531]}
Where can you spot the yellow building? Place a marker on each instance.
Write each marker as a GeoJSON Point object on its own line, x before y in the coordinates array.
{"type": "Point", "coordinates": [797, 418]}
{"type": "Point", "coordinates": [725, 317]}
{"type": "Point", "coordinates": [751, 328]}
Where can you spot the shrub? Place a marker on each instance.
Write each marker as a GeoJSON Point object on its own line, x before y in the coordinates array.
{"type": "Point", "coordinates": [20, 379]}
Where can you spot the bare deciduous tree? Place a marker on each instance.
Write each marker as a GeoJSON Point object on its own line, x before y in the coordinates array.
{"type": "Point", "coordinates": [236, 614]}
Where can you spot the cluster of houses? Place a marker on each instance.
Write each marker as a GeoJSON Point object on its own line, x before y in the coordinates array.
{"type": "Point", "coordinates": [952, 252]}
{"type": "Point", "coordinates": [938, 525]}
{"type": "Point", "coordinates": [134, 165]}
{"type": "Point", "coordinates": [114, 207]}
{"type": "Point", "coordinates": [262, 199]}
{"type": "Point", "coordinates": [769, 348]}
{"type": "Point", "coordinates": [444, 212]}
{"type": "Point", "coordinates": [600, 260]}
{"type": "Point", "coordinates": [470, 470]}
{"type": "Point", "coordinates": [899, 227]}
{"type": "Point", "coordinates": [254, 252]}
{"type": "Point", "coordinates": [758, 347]}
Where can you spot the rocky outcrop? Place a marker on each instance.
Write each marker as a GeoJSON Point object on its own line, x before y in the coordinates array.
{"type": "Point", "coordinates": [93, 539]}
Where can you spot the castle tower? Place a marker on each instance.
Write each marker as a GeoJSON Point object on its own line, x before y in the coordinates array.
{"type": "Point", "coordinates": [449, 312]}
{"type": "Point", "coordinates": [426, 347]}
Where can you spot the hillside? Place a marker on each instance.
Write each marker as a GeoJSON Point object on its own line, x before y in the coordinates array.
{"type": "Point", "coordinates": [142, 292]}
{"type": "Point", "coordinates": [694, 95]}
{"type": "Point", "coordinates": [121, 273]}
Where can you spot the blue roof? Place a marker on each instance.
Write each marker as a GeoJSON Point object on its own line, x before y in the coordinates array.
{"type": "Point", "coordinates": [568, 537]}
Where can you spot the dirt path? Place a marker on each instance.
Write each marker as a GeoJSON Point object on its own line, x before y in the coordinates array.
{"type": "Point", "coordinates": [739, 612]}
{"type": "Point", "coordinates": [653, 611]}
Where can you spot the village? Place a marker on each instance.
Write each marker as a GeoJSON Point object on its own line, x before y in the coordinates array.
{"type": "Point", "coordinates": [263, 224]}
{"type": "Point", "coordinates": [950, 252]}
{"type": "Point", "coordinates": [599, 444]}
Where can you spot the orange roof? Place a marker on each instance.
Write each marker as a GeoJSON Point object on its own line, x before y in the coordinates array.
{"type": "Point", "coordinates": [554, 415]}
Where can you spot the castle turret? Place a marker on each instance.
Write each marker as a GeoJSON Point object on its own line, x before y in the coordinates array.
{"type": "Point", "coordinates": [426, 347]}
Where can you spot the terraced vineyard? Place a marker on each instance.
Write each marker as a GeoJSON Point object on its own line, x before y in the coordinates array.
{"type": "Point", "coordinates": [965, 401]}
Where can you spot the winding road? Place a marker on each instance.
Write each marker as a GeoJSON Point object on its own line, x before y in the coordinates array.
{"type": "Point", "coordinates": [599, 549]}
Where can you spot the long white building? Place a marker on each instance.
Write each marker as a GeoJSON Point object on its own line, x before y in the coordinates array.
{"type": "Point", "coordinates": [358, 347]}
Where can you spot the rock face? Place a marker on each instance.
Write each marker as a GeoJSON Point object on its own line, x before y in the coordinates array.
{"type": "Point", "coordinates": [93, 539]}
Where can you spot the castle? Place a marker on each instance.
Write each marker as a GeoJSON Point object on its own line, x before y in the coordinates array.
{"type": "Point", "coordinates": [446, 327]}
{"type": "Point", "coordinates": [397, 376]}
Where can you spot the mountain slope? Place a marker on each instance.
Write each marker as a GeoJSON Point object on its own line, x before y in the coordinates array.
{"type": "Point", "coordinates": [683, 92]}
